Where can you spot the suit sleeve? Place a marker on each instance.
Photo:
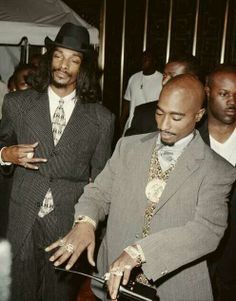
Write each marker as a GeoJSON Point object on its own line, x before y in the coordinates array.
{"type": "Point", "coordinates": [135, 128]}
{"type": "Point", "coordinates": [170, 249]}
{"type": "Point", "coordinates": [7, 132]}
{"type": "Point", "coordinates": [95, 201]}
{"type": "Point", "coordinates": [103, 149]}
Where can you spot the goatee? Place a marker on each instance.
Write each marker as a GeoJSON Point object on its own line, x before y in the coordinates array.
{"type": "Point", "coordinates": [167, 143]}
{"type": "Point", "coordinates": [58, 85]}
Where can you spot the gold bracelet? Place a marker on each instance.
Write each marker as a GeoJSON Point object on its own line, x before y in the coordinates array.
{"type": "Point", "coordinates": [84, 219]}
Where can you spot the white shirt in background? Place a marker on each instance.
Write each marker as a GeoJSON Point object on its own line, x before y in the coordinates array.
{"type": "Point", "coordinates": [142, 89]}
{"type": "Point", "coordinates": [227, 149]}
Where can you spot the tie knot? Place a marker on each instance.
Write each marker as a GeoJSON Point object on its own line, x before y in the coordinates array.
{"type": "Point", "coordinates": [61, 102]}
{"type": "Point", "coordinates": [166, 154]}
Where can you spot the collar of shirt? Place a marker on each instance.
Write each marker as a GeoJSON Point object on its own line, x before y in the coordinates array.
{"type": "Point", "coordinates": [168, 155]}
{"type": "Point", "coordinates": [69, 103]}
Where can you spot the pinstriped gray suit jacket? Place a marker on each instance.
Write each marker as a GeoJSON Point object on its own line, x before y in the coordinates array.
{"type": "Point", "coordinates": [81, 152]}
{"type": "Point", "coordinates": [188, 223]}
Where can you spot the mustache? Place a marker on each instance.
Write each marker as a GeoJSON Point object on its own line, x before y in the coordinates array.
{"type": "Point", "coordinates": [166, 132]}
{"type": "Point", "coordinates": [59, 69]}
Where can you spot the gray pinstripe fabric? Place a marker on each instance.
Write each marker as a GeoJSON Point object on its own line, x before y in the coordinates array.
{"type": "Point", "coordinates": [188, 221]}
{"type": "Point", "coordinates": [84, 146]}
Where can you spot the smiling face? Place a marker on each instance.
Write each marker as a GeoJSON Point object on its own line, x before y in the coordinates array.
{"type": "Point", "coordinates": [221, 94]}
{"type": "Point", "coordinates": [179, 108]}
{"type": "Point", "coordinates": [65, 68]}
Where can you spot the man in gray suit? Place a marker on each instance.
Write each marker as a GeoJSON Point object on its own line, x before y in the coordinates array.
{"type": "Point", "coordinates": [165, 195]}
{"type": "Point", "coordinates": [58, 139]}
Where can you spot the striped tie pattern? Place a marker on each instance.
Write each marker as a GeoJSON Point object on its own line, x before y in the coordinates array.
{"type": "Point", "coordinates": [58, 126]}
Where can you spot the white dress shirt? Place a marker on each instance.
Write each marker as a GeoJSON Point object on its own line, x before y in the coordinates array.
{"type": "Point", "coordinates": [69, 103]}
{"type": "Point", "coordinates": [168, 155]}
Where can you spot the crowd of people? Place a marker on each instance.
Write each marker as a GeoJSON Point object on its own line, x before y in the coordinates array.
{"type": "Point", "coordinates": [166, 192]}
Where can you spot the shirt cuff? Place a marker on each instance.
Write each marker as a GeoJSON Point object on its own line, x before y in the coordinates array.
{"type": "Point", "coordinates": [84, 219]}
{"type": "Point", "coordinates": [1, 161]}
{"type": "Point", "coordinates": [135, 252]}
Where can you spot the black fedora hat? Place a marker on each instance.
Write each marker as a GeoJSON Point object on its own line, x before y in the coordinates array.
{"type": "Point", "coordinates": [72, 37]}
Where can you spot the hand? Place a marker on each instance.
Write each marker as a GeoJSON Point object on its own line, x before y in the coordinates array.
{"type": "Point", "coordinates": [121, 267]}
{"type": "Point", "coordinates": [81, 237]}
{"type": "Point", "coordinates": [22, 154]}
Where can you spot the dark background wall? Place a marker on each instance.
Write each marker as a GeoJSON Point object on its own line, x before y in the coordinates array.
{"type": "Point", "coordinates": [209, 35]}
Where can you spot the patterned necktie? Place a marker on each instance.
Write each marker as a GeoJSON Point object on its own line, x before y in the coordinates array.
{"type": "Point", "coordinates": [58, 126]}
{"type": "Point", "coordinates": [58, 122]}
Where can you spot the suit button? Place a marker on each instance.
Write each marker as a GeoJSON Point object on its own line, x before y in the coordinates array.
{"type": "Point", "coordinates": [164, 273]}
{"type": "Point", "coordinates": [137, 235]}
{"type": "Point", "coordinates": [50, 179]}
{"type": "Point", "coordinates": [53, 153]}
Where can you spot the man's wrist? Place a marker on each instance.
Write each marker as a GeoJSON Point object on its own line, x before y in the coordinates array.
{"type": "Point", "coordinates": [2, 161]}
{"type": "Point", "coordinates": [84, 219]}
{"type": "Point", "coordinates": [136, 253]}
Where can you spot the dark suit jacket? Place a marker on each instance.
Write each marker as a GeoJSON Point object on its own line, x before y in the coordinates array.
{"type": "Point", "coordinates": [144, 119]}
{"type": "Point", "coordinates": [82, 152]}
{"type": "Point", "coordinates": [225, 260]}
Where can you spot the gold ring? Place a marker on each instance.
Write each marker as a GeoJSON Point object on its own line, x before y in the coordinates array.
{"type": "Point", "coordinates": [116, 272]}
{"type": "Point", "coordinates": [61, 243]}
{"type": "Point", "coordinates": [29, 155]}
{"type": "Point", "coordinates": [128, 267]}
{"type": "Point", "coordinates": [69, 248]}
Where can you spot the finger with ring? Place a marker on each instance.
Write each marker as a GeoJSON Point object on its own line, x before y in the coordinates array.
{"type": "Point", "coordinates": [69, 248]}
{"type": "Point", "coordinates": [128, 267]}
{"type": "Point", "coordinates": [61, 243]}
{"type": "Point", "coordinates": [116, 272]}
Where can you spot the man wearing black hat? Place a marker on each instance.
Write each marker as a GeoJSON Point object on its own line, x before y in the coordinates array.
{"type": "Point", "coordinates": [58, 138]}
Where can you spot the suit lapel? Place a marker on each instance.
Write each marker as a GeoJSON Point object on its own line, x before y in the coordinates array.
{"type": "Point", "coordinates": [141, 169]}
{"type": "Point", "coordinates": [78, 116]}
{"type": "Point", "coordinates": [187, 164]}
{"type": "Point", "coordinates": [40, 112]}
{"type": "Point", "coordinates": [203, 130]}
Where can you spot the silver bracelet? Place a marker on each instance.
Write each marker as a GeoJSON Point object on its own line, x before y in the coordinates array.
{"type": "Point", "coordinates": [134, 254]}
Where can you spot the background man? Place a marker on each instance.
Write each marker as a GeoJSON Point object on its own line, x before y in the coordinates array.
{"type": "Point", "coordinates": [143, 86]}
{"type": "Point", "coordinates": [165, 196]}
{"type": "Point", "coordinates": [58, 138]}
{"type": "Point", "coordinates": [219, 132]}
{"type": "Point", "coordinates": [144, 115]}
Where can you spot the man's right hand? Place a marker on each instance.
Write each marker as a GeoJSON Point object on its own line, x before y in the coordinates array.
{"type": "Point", "coordinates": [81, 237]}
{"type": "Point", "coordinates": [22, 154]}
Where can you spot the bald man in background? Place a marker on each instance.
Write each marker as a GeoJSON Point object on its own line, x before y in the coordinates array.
{"type": "Point", "coordinates": [165, 195]}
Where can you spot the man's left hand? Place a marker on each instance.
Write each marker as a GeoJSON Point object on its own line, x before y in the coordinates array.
{"type": "Point", "coordinates": [120, 270]}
